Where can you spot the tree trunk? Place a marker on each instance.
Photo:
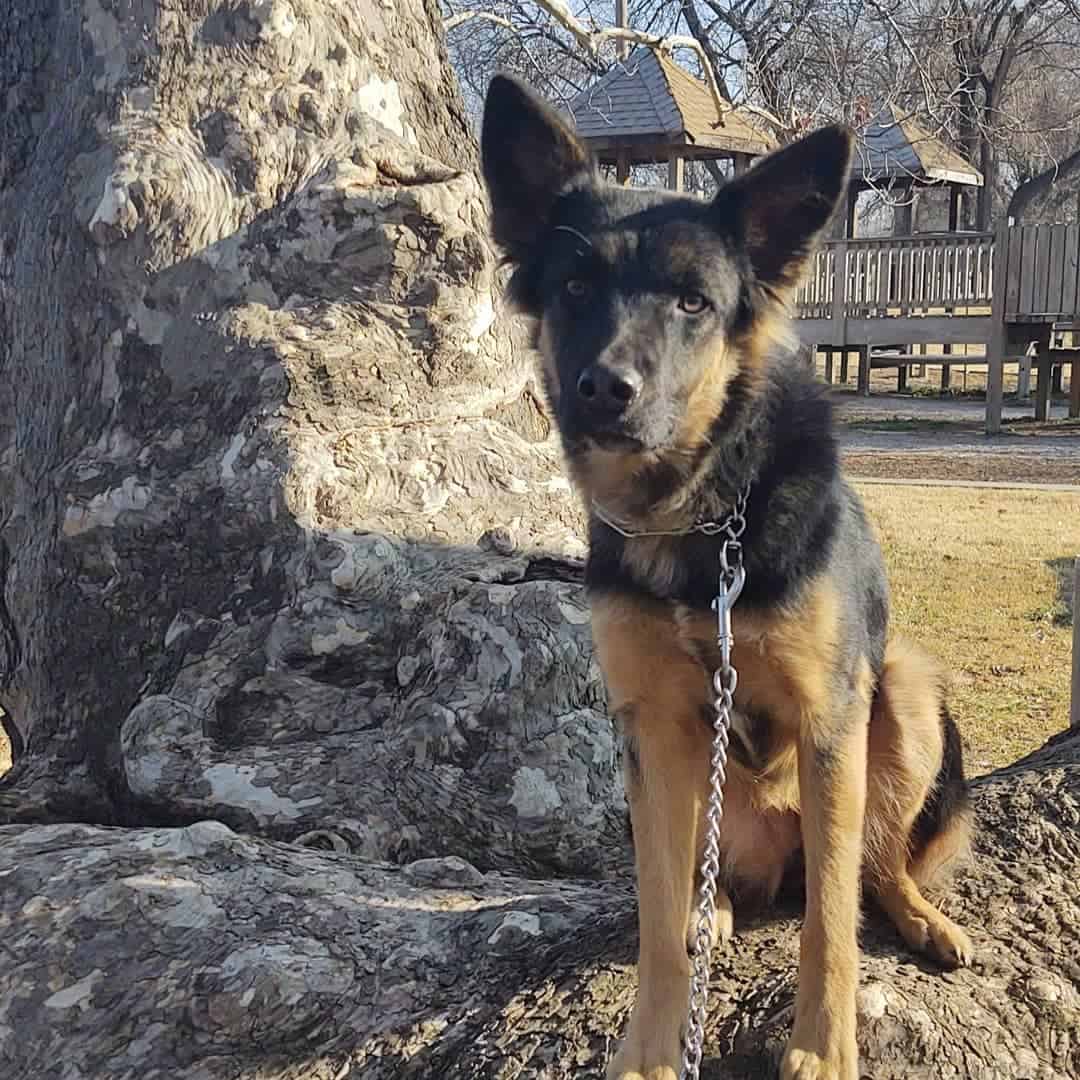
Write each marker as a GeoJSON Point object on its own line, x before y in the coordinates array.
{"type": "Point", "coordinates": [261, 411]}
{"type": "Point", "coordinates": [1040, 186]}
{"type": "Point", "coordinates": [278, 507]}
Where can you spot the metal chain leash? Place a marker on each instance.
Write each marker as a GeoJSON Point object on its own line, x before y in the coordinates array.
{"type": "Point", "coordinates": [725, 680]}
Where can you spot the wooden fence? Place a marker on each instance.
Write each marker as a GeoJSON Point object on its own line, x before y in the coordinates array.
{"type": "Point", "coordinates": [947, 273]}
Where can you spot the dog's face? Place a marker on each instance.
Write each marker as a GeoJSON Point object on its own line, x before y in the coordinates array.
{"type": "Point", "coordinates": [649, 305]}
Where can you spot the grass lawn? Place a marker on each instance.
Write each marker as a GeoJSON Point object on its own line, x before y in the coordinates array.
{"type": "Point", "coordinates": [983, 578]}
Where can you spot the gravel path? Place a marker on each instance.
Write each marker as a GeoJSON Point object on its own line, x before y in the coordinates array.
{"type": "Point", "coordinates": [952, 445]}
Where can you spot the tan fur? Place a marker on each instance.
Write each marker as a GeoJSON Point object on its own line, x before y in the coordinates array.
{"type": "Point", "coordinates": [812, 791]}
{"type": "Point", "coordinates": [905, 754]}
{"type": "Point", "coordinates": [707, 398]}
{"type": "Point", "coordinates": [656, 689]}
{"type": "Point", "coordinates": [658, 686]}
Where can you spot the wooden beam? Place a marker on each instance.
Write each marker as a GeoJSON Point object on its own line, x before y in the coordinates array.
{"type": "Point", "coordinates": [995, 349]}
{"type": "Point", "coordinates": [675, 172]}
{"type": "Point", "coordinates": [622, 167]}
{"type": "Point", "coordinates": [903, 218]}
{"type": "Point", "coordinates": [740, 163]}
{"type": "Point", "coordinates": [956, 195]}
{"type": "Point", "coordinates": [864, 370]}
{"type": "Point", "coordinates": [849, 219]}
{"type": "Point", "coordinates": [1045, 363]}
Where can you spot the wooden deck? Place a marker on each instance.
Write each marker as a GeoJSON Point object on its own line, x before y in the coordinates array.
{"type": "Point", "coordinates": [1006, 290]}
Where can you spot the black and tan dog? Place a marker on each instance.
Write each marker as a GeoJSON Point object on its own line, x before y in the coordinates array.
{"type": "Point", "coordinates": [663, 336]}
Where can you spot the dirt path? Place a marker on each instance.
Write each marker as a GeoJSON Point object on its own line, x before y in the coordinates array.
{"type": "Point", "coordinates": [932, 439]}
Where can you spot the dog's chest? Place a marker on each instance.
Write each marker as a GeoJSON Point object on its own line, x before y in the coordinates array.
{"type": "Point", "coordinates": [783, 661]}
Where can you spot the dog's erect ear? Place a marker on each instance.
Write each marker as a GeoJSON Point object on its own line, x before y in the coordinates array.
{"type": "Point", "coordinates": [531, 157]}
{"type": "Point", "coordinates": [777, 210]}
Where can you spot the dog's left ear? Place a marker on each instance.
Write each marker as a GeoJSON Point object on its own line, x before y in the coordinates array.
{"type": "Point", "coordinates": [777, 210]}
{"type": "Point", "coordinates": [530, 157]}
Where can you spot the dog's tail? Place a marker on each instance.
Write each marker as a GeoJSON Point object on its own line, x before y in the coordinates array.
{"type": "Point", "coordinates": [913, 684]}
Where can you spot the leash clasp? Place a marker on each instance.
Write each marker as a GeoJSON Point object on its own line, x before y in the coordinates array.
{"type": "Point", "coordinates": [732, 580]}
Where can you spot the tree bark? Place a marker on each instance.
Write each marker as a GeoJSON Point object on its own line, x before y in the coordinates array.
{"type": "Point", "coordinates": [287, 558]}
{"type": "Point", "coordinates": [200, 953]}
{"type": "Point", "coordinates": [1040, 186]}
{"type": "Point", "coordinates": [261, 405]}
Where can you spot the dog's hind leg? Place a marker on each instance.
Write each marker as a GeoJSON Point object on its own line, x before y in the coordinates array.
{"type": "Point", "coordinates": [916, 817]}
{"type": "Point", "coordinates": [657, 692]}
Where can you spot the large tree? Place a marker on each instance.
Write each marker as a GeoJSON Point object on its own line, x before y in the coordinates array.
{"type": "Point", "coordinates": [288, 561]}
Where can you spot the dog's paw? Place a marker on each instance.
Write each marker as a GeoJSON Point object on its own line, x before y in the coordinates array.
{"type": "Point", "coordinates": [948, 944]}
{"type": "Point", "coordinates": [723, 924]}
{"type": "Point", "coordinates": [801, 1063]}
{"type": "Point", "coordinates": [639, 1063]}
{"type": "Point", "coordinates": [652, 1048]}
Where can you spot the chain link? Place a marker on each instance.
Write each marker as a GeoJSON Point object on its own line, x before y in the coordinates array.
{"type": "Point", "coordinates": [725, 680]}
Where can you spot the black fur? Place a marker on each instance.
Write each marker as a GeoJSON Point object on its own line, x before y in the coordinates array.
{"type": "Point", "coordinates": [949, 797]}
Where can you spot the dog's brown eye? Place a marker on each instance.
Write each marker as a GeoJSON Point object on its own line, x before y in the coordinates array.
{"type": "Point", "coordinates": [576, 288]}
{"type": "Point", "coordinates": [692, 303]}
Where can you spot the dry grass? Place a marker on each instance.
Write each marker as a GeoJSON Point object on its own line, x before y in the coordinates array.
{"type": "Point", "coordinates": [982, 578]}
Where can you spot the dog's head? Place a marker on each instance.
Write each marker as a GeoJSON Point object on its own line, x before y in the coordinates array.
{"type": "Point", "coordinates": [649, 305]}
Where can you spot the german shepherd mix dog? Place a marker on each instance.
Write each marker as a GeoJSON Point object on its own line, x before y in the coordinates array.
{"type": "Point", "coordinates": [660, 320]}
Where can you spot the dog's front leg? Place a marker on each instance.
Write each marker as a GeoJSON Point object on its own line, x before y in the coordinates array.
{"type": "Point", "coordinates": [832, 793]}
{"type": "Point", "coordinates": [657, 692]}
{"type": "Point", "coordinates": [664, 781]}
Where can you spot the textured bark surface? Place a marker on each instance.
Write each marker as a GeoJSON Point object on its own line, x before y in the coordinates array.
{"type": "Point", "coordinates": [261, 414]}
{"type": "Point", "coordinates": [200, 953]}
{"type": "Point", "coordinates": [277, 500]}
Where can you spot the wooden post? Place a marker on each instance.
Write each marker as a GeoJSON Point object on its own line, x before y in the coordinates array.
{"type": "Point", "coordinates": [622, 167]}
{"type": "Point", "coordinates": [1023, 379]}
{"type": "Point", "coordinates": [844, 367]}
{"type": "Point", "coordinates": [828, 366]}
{"type": "Point", "coordinates": [1044, 362]}
{"type": "Point", "coordinates": [838, 327]}
{"type": "Point", "coordinates": [864, 370]}
{"type": "Point", "coordinates": [849, 219]}
{"type": "Point", "coordinates": [995, 349]}
{"type": "Point", "coordinates": [1074, 387]}
{"type": "Point", "coordinates": [675, 171]}
{"type": "Point", "coordinates": [956, 194]}
{"type": "Point", "coordinates": [1074, 708]}
{"type": "Point", "coordinates": [740, 163]}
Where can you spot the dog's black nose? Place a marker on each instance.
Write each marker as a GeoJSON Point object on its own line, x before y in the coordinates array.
{"type": "Point", "coordinates": [608, 389]}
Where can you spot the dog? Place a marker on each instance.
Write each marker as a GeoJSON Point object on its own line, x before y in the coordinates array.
{"type": "Point", "coordinates": [667, 357]}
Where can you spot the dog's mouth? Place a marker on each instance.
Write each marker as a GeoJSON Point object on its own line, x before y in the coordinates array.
{"type": "Point", "coordinates": [616, 440]}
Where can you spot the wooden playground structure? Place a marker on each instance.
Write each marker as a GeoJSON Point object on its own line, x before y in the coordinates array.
{"type": "Point", "coordinates": [1015, 292]}
{"type": "Point", "coordinates": [901, 301]}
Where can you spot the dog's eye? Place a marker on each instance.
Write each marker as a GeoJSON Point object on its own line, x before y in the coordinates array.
{"type": "Point", "coordinates": [576, 288]}
{"type": "Point", "coordinates": [693, 303]}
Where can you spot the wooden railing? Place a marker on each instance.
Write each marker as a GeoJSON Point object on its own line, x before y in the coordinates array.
{"type": "Point", "coordinates": [903, 276]}
{"type": "Point", "coordinates": [899, 276]}
{"type": "Point", "coordinates": [1041, 276]}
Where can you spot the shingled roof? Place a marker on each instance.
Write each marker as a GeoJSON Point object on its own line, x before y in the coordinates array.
{"type": "Point", "coordinates": [648, 103]}
{"type": "Point", "coordinates": [895, 148]}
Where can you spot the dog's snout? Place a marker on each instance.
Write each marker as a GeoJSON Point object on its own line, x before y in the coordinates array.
{"type": "Point", "coordinates": [608, 389]}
